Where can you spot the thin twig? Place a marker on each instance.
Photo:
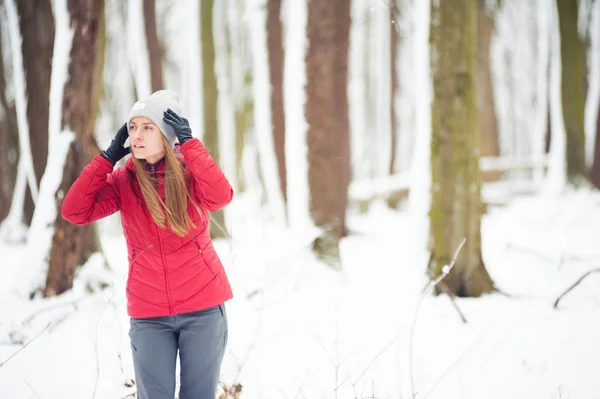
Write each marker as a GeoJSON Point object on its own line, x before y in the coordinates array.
{"type": "Point", "coordinates": [373, 361]}
{"type": "Point", "coordinates": [96, 340]}
{"type": "Point", "coordinates": [73, 303]}
{"type": "Point", "coordinates": [446, 291]}
{"type": "Point", "coordinates": [25, 346]}
{"type": "Point", "coordinates": [458, 360]}
{"type": "Point", "coordinates": [445, 271]}
{"type": "Point", "coordinates": [575, 285]}
{"type": "Point", "coordinates": [32, 389]}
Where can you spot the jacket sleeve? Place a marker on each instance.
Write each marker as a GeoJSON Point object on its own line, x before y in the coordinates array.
{"type": "Point", "coordinates": [211, 186]}
{"type": "Point", "coordinates": [94, 194]}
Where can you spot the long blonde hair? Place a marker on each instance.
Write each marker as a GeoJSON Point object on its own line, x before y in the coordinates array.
{"type": "Point", "coordinates": [173, 210]}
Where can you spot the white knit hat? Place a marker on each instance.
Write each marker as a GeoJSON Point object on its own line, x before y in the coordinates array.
{"type": "Point", "coordinates": [154, 107]}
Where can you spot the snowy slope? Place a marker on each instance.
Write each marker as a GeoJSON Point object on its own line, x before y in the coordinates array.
{"type": "Point", "coordinates": [298, 329]}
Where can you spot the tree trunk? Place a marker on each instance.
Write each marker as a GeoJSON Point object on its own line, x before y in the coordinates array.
{"type": "Point", "coordinates": [489, 126]}
{"type": "Point", "coordinates": [276, 57]}
{"type": "Point", "coordinates": [210, 98]}
{"type": "Point", "coordinates": [37, 29]}
{"type": "Point", "coordinates": [242, 95]}
{"type": "Point", "coordinates": [153, 44]}
{"type": "Point", "coordinates": [394, 43]}
{"type": "Point", "coordinates": [9, 143]}
{"type": "Point", "coordinates": [572, 89]}
{"type": "Point", "coordinates": [595, 172]}
{"type": "Point", "coordinates": [80, 104]}
{"type": "Point", "coordinates": [456, 176]}
{"type": "Point", "coordinates": [326, 113]}
{"type": "Point", "coordinates": [394, 32]}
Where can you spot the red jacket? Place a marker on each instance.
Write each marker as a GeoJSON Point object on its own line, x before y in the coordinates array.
{"type": "Point", "coordinates": [168, 274]}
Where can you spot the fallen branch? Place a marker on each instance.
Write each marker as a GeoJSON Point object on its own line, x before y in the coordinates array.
{"type": "Point", "coordinates": [575, 284]}
{"type": "Point", "coordinates": [25, 346]}
{"type": "Point", "coordinates": [445, 271]}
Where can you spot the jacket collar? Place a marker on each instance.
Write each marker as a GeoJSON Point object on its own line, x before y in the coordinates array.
{"type": "Point", "coordinates": [158, 166]}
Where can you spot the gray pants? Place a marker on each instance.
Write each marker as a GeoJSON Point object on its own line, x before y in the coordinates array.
{"type": "Point", "coordinates": [200, 337]}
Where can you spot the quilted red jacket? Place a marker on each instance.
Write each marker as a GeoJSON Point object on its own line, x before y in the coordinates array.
{"type": "Point", "coordinates": [168, 274]}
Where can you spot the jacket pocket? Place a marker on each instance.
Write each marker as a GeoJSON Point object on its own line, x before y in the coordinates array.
{"type": "Point", "coordinates": [201, 253]}
{"type": "Point", "coordinates": [130, 267]}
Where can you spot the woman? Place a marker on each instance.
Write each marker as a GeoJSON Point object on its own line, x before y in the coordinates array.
{"type": "Point", "coordinates": [176, 285]}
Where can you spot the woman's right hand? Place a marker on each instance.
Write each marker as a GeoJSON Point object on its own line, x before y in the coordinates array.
{"type": "Point", "coordinates": [117, 150]}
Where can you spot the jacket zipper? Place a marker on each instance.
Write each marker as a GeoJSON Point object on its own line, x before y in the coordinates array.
{"type": "Point", "coordinates": [162, 252]}
{"type": "Point", "coordinates": [197, 245]}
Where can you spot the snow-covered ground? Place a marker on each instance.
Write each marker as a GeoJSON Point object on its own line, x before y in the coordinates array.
{"type": "Point", "coordinates": [301, 330]}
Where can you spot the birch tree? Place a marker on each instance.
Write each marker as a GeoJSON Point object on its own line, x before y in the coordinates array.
{"type": "Point", "coordinates": [456, 206]}
{"type": "Point", "coordinates": [326, 110]}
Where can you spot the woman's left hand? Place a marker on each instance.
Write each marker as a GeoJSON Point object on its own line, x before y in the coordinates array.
{"type": "Point", "coordinates": [180, 125]}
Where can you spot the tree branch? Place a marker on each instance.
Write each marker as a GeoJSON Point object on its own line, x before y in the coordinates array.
{"type": "Point", "coordinates": [575, 284]}
{"type": "Point", "coordinates": [25, 346]}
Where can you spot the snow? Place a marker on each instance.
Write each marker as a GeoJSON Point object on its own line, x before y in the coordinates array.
{"type": "Point", "coordinates": [297, 328]}
{"type": "Point", "coordinates": [300, 329]}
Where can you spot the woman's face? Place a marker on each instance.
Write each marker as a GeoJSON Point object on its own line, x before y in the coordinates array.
{"type": "Point", "coordinates": [146, 140]}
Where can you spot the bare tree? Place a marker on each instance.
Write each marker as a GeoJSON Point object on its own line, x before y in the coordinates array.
{"type": "Point", "coordinates": [80, 104]}
{"type": "Point", "coordinates": [37, 29]}
{"type": "Point", "coordinates": [276, 56]}
{"type": "Point", "coordinates": [210, 98]}
{"type": "Point", "coordinates": [489, 126]}
{"type": "Point", "coordinates": [573, 83]}
{"type": "Point", "coordinates": [456, 176]}
{"type": "Point", "coordinates": [394, 43]}
{"type": "Point", "coordinates": [153, 44]}
{"type": "Point", "coordinates": [595, 172]}
{"type": "Point", "coordinates": [242, 95]}
{"type": "Point", "coordinates": [326, 113]}
{"type": "Point", "coordinates": [9, 143]}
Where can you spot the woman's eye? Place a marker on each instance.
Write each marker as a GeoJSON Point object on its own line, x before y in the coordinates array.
{"type": "Point", "coordinates": [148, 127]}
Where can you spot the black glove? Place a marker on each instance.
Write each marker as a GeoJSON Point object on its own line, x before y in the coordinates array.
{"type": "Point", "coordinates": [180, 125]}
{"type": "Point", "coordinates": [116, 150]}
